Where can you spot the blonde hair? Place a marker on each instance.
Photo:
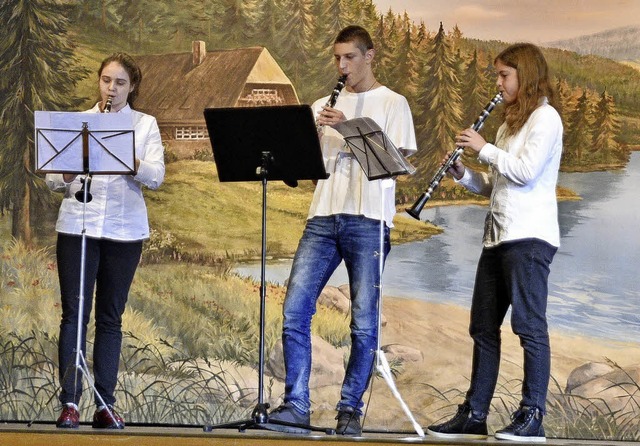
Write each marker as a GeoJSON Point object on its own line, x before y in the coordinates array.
{"type": "Point", "coordinates": [533, 80]}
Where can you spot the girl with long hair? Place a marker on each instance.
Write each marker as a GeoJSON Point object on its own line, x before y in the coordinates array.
{"type": "Point", "coordinates": [521, 237]}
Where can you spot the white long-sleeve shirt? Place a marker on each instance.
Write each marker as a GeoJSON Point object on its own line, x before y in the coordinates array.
{"type": "Point", "coordinates": [117, 210]}
{"type": "Point", "coordinates": [522, 179]}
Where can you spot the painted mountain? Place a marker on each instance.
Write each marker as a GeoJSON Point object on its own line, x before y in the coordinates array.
{"type": "Point", "coordinates": [621, 44]}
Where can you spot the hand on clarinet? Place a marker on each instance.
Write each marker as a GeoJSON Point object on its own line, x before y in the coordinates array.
{"type": "Point", "coordinates": [471, 139]}
{"type": "Point", "coordinates": [330, 116]}
{"type": "Point", "coordinates": [457, 169]}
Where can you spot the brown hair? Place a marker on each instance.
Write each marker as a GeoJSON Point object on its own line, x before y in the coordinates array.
{"type": "Point", "coordinates": [132, 69]}
{"type": "Point", "coordinates": [533, 80]}
{"type": "Point", "coordinates": [357, 34]}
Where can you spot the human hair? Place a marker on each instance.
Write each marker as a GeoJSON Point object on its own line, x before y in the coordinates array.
{"type": "Point", "coordinates": [356, 34]}
{"type": "Point", "coordinates": [533, 81]}
{"type": "Point", "coordinates": [132, 69]}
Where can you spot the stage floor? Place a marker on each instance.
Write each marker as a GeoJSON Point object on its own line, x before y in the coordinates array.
{"type": "Point", "coordinates": [16, 434]}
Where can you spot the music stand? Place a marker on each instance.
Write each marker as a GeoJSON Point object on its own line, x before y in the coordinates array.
{"type": "Point", "coordinates": [380, 160]}
{"type": "Point", "coordinates": [81, 143]}
{"type": "Point", "coordinates": [262, 144]}
{"type": "Point", "coordinates": [89, 144]}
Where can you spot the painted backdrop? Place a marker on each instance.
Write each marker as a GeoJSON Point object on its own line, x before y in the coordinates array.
{"type": "Point", "coordinates": [190, 354]}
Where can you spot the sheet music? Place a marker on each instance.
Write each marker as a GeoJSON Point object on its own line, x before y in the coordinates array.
{"type": "Point", "coordinates": [59, 142]}
{"type": "Point", "coordinates": [377, 155]}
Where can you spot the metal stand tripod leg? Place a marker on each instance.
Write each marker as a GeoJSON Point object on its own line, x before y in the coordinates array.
{"type": "Point", "coordinates": [382, 366]}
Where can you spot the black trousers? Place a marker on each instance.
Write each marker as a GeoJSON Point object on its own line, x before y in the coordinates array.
{"type": "Point", "coordinates": [109, 268]}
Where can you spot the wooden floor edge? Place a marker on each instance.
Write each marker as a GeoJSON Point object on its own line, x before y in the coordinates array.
{"type": "Point", "coordinates": [48, 435]}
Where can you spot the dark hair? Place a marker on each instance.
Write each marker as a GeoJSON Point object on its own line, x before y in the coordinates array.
{"type": "Point", "coordinates": [132, 69]}
{"type": "Point", "coordinates": [357, 34]}
{"type": "Point", "coordinates": [533, 80]}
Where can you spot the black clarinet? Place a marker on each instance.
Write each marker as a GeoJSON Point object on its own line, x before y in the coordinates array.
{"type": "Point", "coordinates": [334, 95]}
{"type": "Point", "coordinates": [86, 181]}
{"type": "Point", "coordinates": [107, 105]}
{"type": "Point", "coordinates": [415, 210]}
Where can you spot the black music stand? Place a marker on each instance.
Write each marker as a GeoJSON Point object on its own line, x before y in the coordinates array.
{"type": "Point", "coordinates": [88, 144]}
{"type": "Point", "coordinates": [380, 160]}
{"type": "Point", "coordinates": [262, 144]}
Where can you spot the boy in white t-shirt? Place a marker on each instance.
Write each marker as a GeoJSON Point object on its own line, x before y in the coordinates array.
{"type": "Point", "coordinates": [343, 225]}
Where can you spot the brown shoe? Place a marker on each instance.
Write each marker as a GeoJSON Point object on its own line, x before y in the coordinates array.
{"type": "Point", "coordinates": [102, 419]}
{"type": "Point", "coordinates": [69, 418]}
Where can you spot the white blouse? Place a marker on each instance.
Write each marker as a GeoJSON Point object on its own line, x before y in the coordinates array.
{"type": "Point", "coordinates": [117, 210]}
{"type": "Point", "coordinates": [522, 179]}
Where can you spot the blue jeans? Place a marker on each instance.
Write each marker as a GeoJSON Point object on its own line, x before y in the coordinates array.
{"type": "Point", "coordinates": [110, 267]}
{"type": "Point", "coordinates": [325, 242]}
{"type": "Point", "coordinates": [511, 274]}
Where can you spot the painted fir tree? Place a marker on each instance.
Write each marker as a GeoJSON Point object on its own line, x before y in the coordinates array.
{"type": "Point", "coordinates": [605, 129]}
{"type": "Point", "coordinates": [191, 20]}
{"type": "Point", "coordinates": [270, 22]}
{"type": "Point", "coordinates": [139, 20]}
{"type": "Point", "coordinates": [578, 132]}
{"type": "Point", "coordinates": [405, 67]}
{"type": "Point", "coordinates": [441, 115]}
{"type": "Point", "coordinates": [476, 97]}
{"type": "Point", "coordinates": [387, 42]}
{"type": "Point", "coordinates": [324, 73]}
{"type": "Point", "coordinates": [38, 69]}
{"type": "Point", "coordinates": [237, 24]}
{"type": "Point", "coordinates": [294, 43]}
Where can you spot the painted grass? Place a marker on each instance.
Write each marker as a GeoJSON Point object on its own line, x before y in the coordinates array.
{"type": "Point", "coordinates": [186, 327]}
{"type": "Point", "coordinates": [224, 220]}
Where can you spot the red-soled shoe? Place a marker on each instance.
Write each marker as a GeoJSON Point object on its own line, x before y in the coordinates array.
{"type": "Point", "coordinates": [102, 419]}
{"type": "Point", "coordinates": [69, 418]}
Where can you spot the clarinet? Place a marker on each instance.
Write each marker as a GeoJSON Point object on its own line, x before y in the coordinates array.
{"type": "Point", "coordinates": [334, 96]}
{"type": "Point", "coordinates": [86, 181]}
{"type": "Point", "coordinates": [107, 105]}
{"type": "Point", "coordinates": [415, 210]}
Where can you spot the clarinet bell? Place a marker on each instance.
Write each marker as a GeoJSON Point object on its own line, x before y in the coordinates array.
{"type": "Point", "coordinates": [80, 194]}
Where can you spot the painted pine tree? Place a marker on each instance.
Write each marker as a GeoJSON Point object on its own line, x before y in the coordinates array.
{"type": "Point", "coordinates": [38, 71]}
{"type": "Point", "coordinates": [439, 93]}
{"type": "Point", "coordinates": [605, 128]}
{"type": "Point", "coordinates": [578, 133]}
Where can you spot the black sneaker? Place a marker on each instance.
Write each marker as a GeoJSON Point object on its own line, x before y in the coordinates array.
{"type": "Point", "coordinates": [465, 424]}
{"type": "Point", "coordinates": [526, 425]}
{"type": "Point", "coordinates": [285, 417]}
{"type": "Point", "coordinates": [348, 422]}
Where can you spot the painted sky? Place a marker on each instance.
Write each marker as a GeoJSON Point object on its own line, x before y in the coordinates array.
{"type": "Point", "coordinates": [535, 21]}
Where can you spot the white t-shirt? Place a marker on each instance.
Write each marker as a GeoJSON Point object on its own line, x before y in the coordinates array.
{"type": "Point", "coordinates": [347, 190]}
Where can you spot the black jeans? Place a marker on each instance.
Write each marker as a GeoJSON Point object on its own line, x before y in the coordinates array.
{"type": "Point", "coordinates": [110, 267]}
{"type": "Point", "coordinates": [511, 274]}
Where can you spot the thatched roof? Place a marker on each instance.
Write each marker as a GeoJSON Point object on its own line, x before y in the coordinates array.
{"type": "Point", "coordinates": [176, 90]}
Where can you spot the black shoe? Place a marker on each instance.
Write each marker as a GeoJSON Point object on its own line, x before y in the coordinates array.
{"type": "Point", "coordinates": [285, 417]}
{"type": "Point", "coordinates": [348, 422]}
{"type": "Point", "coordinates": [465, 424]}
{"type": "Point", "coordinates": [526, 425]}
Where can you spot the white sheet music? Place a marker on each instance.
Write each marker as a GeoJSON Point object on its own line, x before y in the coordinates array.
{"type": "Point", "coordinates": [377, 155]}
{"type": "Point", "coordinates": [59, 142]}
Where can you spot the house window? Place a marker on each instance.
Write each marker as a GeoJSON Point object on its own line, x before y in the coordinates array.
{"type": "Point", "coordinates": [262, 96]}
{"type": "Point", "coordinates": [191, 133]}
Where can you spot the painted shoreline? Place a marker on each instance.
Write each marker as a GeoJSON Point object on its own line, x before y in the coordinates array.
{"type": "Point", "coordinates": [440, 332]}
